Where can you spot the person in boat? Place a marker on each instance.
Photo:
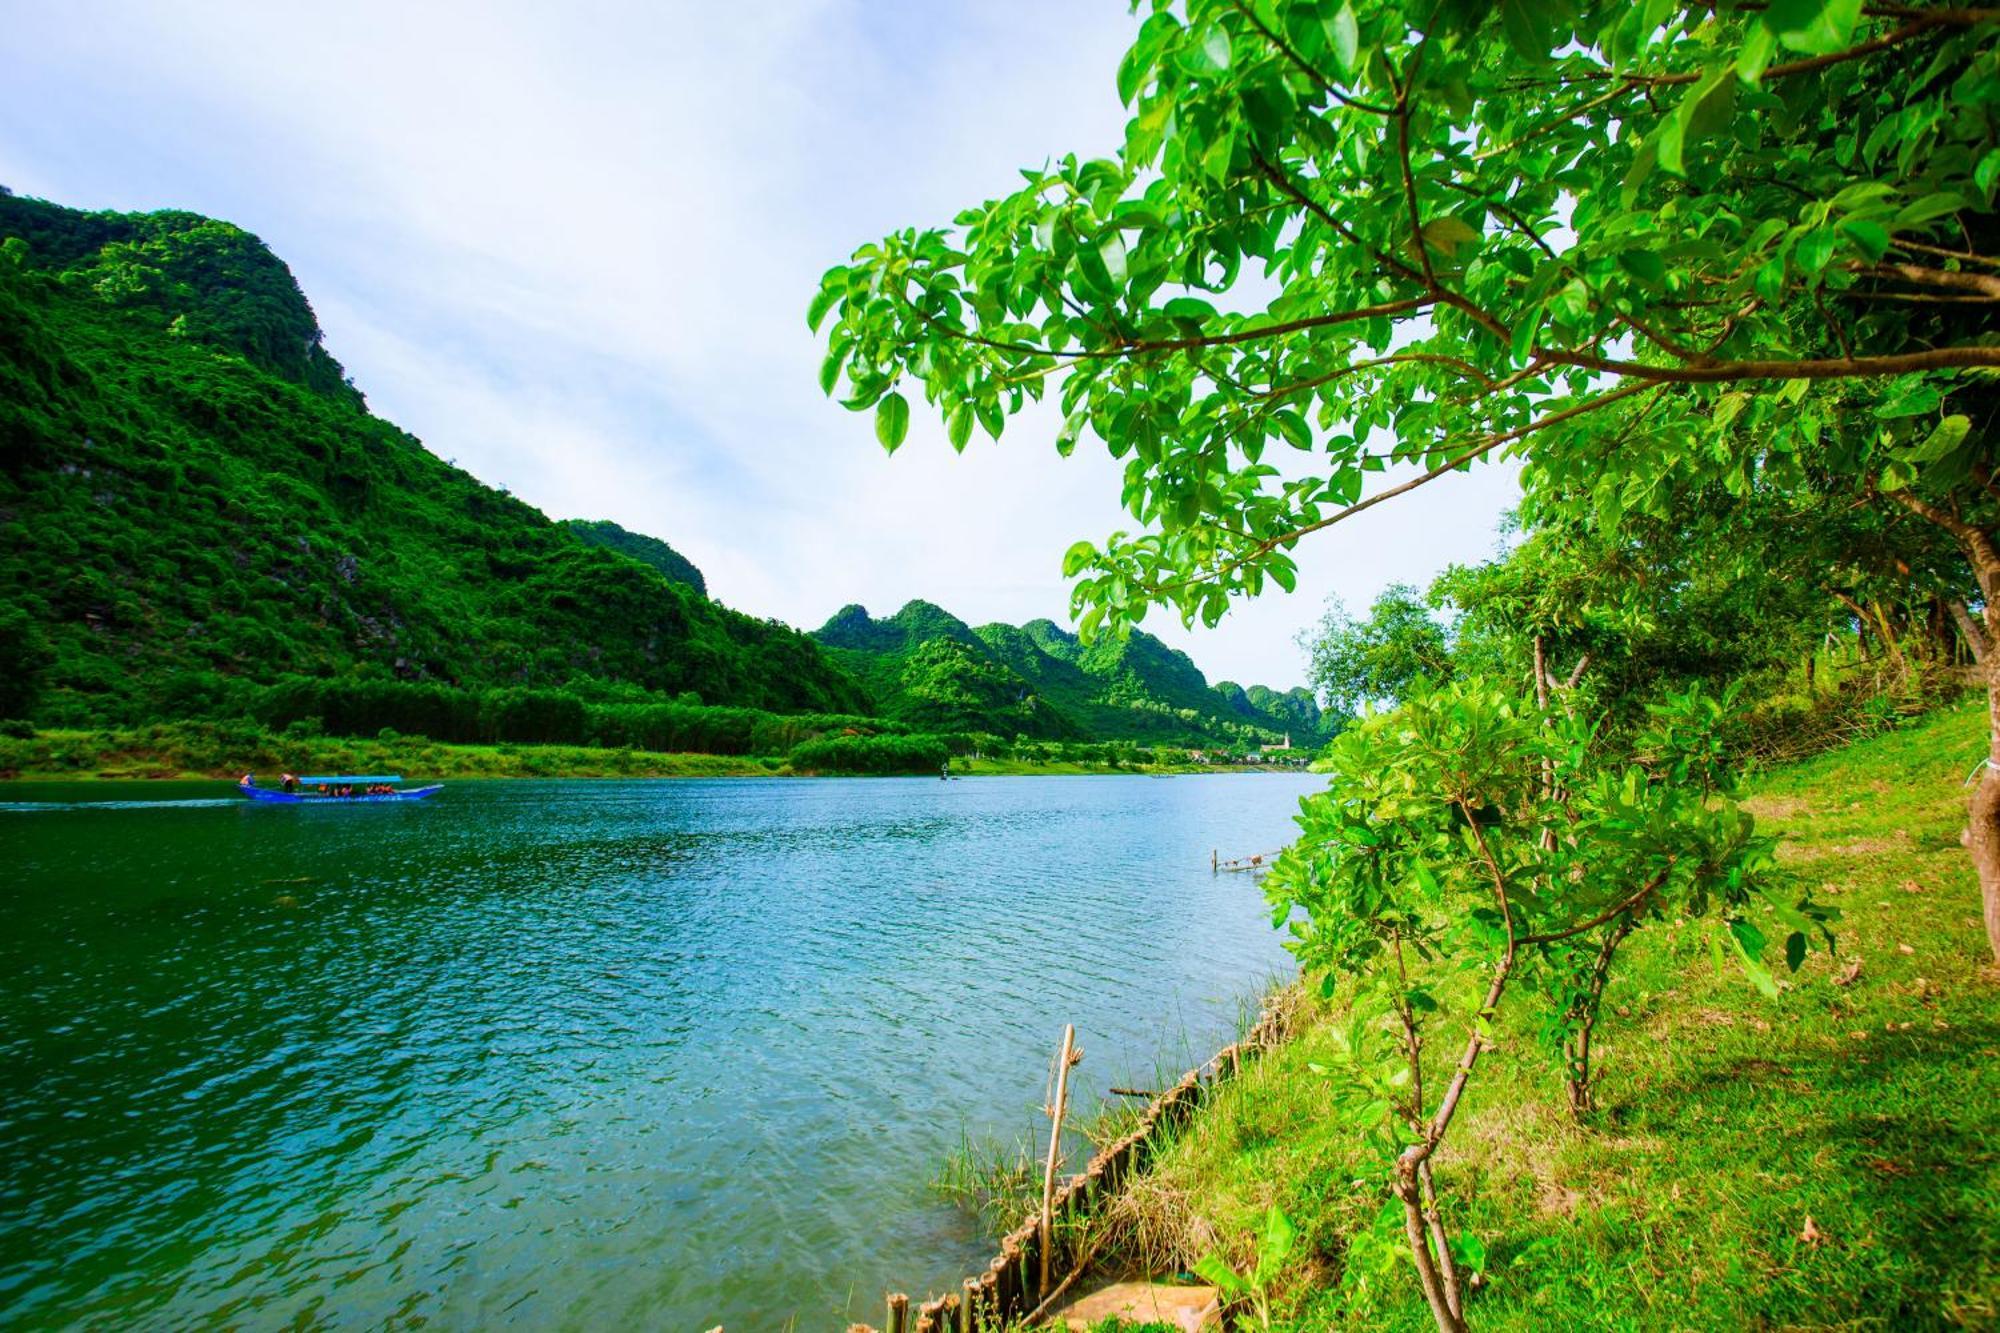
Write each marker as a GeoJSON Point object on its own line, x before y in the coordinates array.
{"type": "Point", "coordinates": [288, 783]}
{"type": "Point", "coordinates": [246, 782]}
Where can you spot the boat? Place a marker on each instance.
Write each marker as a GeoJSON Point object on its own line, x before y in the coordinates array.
{"type": "Point", "coordinates": [305, 795]}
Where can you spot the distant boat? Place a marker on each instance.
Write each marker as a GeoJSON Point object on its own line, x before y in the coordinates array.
{"type": "Point", "coordinates": [307, 795]}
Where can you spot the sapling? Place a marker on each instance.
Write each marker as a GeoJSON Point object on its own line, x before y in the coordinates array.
{"type": "Point", "coordinates": [1465, 838]}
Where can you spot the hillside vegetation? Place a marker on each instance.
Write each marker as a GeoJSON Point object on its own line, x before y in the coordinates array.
{"type": "Point", "coordinates": [195, 500]}
{"type": "Point", "coordinates": [204, 522]}
{"type": "Point", "coordinates": [1828, 1157]}
{"type": "Point", "coordinates": [931, 669]}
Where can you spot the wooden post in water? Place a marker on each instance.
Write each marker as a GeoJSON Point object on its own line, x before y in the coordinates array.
{"type": "Point", "coordinates": [1070, 1055]}
{"type": "Point", "coordinates": [1214, 859]}
{"type": "Point", "coordinates": [968, 1322]}
{"type": "Point", "coordinates": [899, 1314]}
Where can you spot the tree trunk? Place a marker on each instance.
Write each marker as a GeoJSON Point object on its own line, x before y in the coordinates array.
{"type": "Point", "coordinates": [1982, 815]}
{"type": "Point", "coordinates": [1896, 658]}
{"type": "Point", "coordinates": [1860, 623]}
{"type": "Point", "coordinates": [1969, 630]}
{"type": "Point", "coordinates": [1576, 1050]}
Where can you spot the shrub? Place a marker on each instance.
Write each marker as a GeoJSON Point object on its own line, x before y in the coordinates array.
{"type": "Point", "coordinates": [879, 755]}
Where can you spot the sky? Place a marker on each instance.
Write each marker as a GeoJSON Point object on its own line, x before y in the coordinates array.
{"type": "Point", "coordinates": [570, 248]}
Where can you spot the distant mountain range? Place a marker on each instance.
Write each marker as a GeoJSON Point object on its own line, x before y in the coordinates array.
{"type": "Point", "coordinates": [194, 498]}
{"type": "Point", "coordinates": [927, 667]}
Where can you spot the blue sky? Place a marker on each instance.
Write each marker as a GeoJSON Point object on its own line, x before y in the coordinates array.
{"type": "Point", "coordinates": [570, 247]}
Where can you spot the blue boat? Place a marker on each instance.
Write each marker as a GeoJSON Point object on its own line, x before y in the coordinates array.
{"type": "Point", "coordinates": [305, 795]}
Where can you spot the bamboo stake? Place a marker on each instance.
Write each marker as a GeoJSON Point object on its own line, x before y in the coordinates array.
{"type": "Point", "coordinates": [1070, 1055]}
{"type": "Point", "coordinates": [967, 1321]}
{"type": "Point", "coordinates": [899, 1314]}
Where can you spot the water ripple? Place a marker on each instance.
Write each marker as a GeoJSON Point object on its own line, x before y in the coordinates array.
{"type": "Point", "coordinates": [575, 1054]}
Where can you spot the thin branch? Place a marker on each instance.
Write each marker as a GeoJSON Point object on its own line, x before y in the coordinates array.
{"type": "Point", "coordinates": [1963, 256]}
{"type": "Point", "coordinates": [1143, 347]}
{"type": "Point", "coordinates": [1625, 904]}
{"type": "Point", "coordinates": [1479, 449]}
{"type": "Point", "coordinates": [1661, 339]}
{"type": "Point", "coordinates": [1465, 368]}
{"type": "Point", "coordinates": [1722, 372]}
{"type": "Point", "coordinates": [1320, 80]}
{"type": "Point", "coordinates": [1508, 213]}
{"type": "Point", "coordinates": [1933, 277]}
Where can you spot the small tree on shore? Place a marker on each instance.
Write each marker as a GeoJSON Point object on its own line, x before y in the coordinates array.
{"type": "Point", "coordinates": [1443, 859]}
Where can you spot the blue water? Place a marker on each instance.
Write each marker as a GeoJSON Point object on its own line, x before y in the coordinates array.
{"type": "Point", "coordinates": [575, 1054]}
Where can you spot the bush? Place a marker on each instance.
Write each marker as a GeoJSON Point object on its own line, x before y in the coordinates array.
{"type": "Point", "coordinates": [879, 755]}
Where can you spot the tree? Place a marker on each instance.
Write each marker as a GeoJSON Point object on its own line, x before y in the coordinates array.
{"type": "Point", "coordinates": [1623, 242]}
{"type": "Point", "coordinates": [1466, 840]}
{"type": "Point", "coordinates": [25, 655]}
{"type": "Point", "coordinates": [1355, 663]}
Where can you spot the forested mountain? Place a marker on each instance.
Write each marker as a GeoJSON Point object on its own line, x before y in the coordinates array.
{"type": "Point", "coordinates": [927, 667]}
{"type": "Point", "coordinates": [647, 550]}
{"type": "Point", "coordinates": [193, 498]}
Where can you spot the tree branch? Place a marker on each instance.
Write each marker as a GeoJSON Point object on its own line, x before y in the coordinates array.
{"type": "Point", "coordinates": [1855, 367]}
{"type": "Point", "coordinates": [1625, 904]}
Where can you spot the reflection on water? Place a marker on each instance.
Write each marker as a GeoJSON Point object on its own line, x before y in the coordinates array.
{"type": "Point", "coordinates": [574, 1054]}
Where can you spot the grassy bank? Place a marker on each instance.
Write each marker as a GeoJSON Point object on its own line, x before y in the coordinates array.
{"type": "Point", "coordinates": [209, 751]}
{"type": "Point", "coordinates": [1827, 1158]}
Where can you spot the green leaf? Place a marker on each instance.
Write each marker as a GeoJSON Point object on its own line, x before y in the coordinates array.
{"type": "Point", "coordinates": [1795, 950]}
{"type": "Point", "coordinates": [1815, 27]}
{"type": "Point", "coordinates": [1278, 1237]}
{"type": "Point", "coordinates": [1111, 249]}
{"type": "Point", "coordinates": [822, 302]}
{"type": "Point", "coordinates": [1912, 398]}
{"type": "Point", "coordinates": [1814, 249]}
{"type": "Point", "coordinates": [958, 427]}
{"type": "Point", "coordinates": [1749, 942]}
{"type": "Point", "coordinates": [1703, 109]}
{"type": "Point", "coordinates": [1759, 45]}
{"type": "Point", "coordinates": [1208, 55]}
{"type": "Point", "coordinates": [1524, 335]}
{"type": "Point", "coordinates": [1871, 238]}
{"type": "Point", "coordinates": [1928, 208]}
{"type": "Point", "coordinates": [892, 421]}
{"type": "Point", "coordinates": [1526, 23]}
{"type": "Point", "coordinates": [1645, 265]}
{"type": "Point", "coordinates": [1944, 437]}
{"type": "Point", "coordinates": [1343, 35]}
{"type": "Point", "coordinates": [1447, 234]}
{"type": "Point", "coordinates": [1188, 307]}
{"type": "Point", "coordinates": [1217, 1270]}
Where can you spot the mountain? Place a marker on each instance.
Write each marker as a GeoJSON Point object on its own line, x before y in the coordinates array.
{"type": "Point", "coordinates": [926, 667]}
{"type": "Point", "coordinates": [1037, 679]}
{"type": "Point", "coordinates": [193, 498]}
{"type": "Point", "coordinates": [646, 550]}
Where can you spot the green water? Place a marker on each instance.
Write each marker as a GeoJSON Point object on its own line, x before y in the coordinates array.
{"type": "Point", "coordinates": [574, 1054]}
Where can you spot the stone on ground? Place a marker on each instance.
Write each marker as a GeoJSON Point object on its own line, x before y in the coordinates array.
{"type": "Point", "coordinates": [1192, 1309]}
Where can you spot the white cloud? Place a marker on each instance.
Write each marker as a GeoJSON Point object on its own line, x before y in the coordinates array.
{"type": "Point", "coordinates": [570, 246]}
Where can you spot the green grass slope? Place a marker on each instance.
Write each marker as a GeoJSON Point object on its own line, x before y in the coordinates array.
{"type": "Point", "coordinates": [1830, 1158]}
{"type": "Point", "coordinates": [193, 497]}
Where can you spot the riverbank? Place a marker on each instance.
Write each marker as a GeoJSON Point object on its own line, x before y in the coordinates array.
{"type": "Point", "coordinates": [185, 752]}
{"type": "Point", "coordinates": [1826, 1158]}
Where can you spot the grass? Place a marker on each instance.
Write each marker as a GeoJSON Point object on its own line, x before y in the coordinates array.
{"type": "Point", "coordinates": [197, 750]}
{"type": "Point", "coordinates": [1828, 1158]}
{"type": "Point", "coordinates": [190, 752]}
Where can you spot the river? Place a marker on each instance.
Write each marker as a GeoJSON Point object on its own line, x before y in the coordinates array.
{"type": "Point", "coordinates": [576, 1054]}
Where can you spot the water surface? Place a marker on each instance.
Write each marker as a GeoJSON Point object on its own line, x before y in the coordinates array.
{"type": "Point", "coordinates": [574, 1054]}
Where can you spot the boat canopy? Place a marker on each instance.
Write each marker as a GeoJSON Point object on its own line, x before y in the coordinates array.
{"type": "Point", "coordinates": [342, 777]}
